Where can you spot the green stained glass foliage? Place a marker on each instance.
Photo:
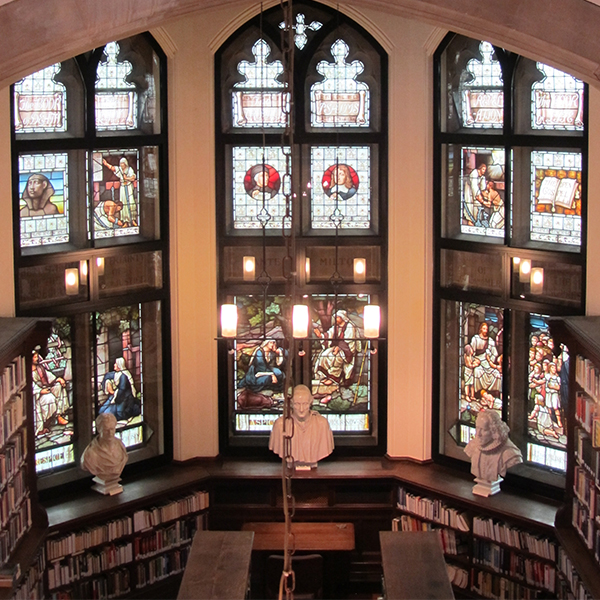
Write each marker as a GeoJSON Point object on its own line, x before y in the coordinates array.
{"type": "Point", "coordinates": [53, 399]}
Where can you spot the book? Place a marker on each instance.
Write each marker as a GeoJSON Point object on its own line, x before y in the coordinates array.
{"type": "Point", "coordinates": [558, 192]}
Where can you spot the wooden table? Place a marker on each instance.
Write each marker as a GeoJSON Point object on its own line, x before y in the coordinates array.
{"type": "Point", "coordinates": [317, 537]}
{"type": "Point", "coordinates": [413, 566]}
{"type": "Point", "coordinates": [218, 566]}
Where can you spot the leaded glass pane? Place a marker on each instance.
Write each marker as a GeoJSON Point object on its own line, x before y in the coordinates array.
{"type": "Point", "coordinates": [556, 101]}
{"type": "Point", "coordinates": [41, 103]}
{"type": "Point", "coordinates": [116, 193]}
{"type": "Point", "coordinates": [44, 199]}
{"type": "Point", "coordinates": [341, 187]}
{"type": "Point", "coordinates": [548, 385]}
{"type": "Point", "coordinates": [52, 377]}
{"type": "Point", "coordinates": [258, 199]}
{"type": "Point", "coordinates": [260, 100]}
{"type": "Point", "coordinates": [556, 197]}
{"type": "Point", "coordinates": [118, 369]}
{"type": "Point", "coordinates": [341, 362]}
{"type": "Point", "coordinates": [339, 100]}
{"type": "Point", "coordinates": [301, 28]}
{"type": "Point", "coordinates": [116, 97]}
{"type": "Point", "coordinates": [482, 91]}
{"type": "Point", "coordinates": [482, 191]}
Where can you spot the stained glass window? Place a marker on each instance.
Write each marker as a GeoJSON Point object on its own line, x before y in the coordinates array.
{"type": "Point", "coordinates": [483, 191]}
{"type": "Point", "coordinates": [341, 187]}
{"type": "Point", "coordinates": [556, 197]}
{"type": "Point", "coordinates": [54, 418]}
{"type": "Point", "coordinates": [301, 30]}
{"type": "Point", "coordinates": [44, 199]}
{"type": "Point", "coordinates": [41, 102]}
{"type": "Point", "coordinates": [557, 101]}
{"type": "Point", "coordinates": [340, 100]}
{"type": "Point", "coordinates": [116, 97]}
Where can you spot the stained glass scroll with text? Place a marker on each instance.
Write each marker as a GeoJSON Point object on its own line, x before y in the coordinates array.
{"type": "Point", "coordinates": [53, 400]}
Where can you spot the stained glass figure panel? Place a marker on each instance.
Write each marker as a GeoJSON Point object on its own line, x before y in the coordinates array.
{"type": "Point", "coordinates": [556, 197]}
{"type": "Point", "coordinates": [260, 100]}
{"type": "Point", "coordinates": [302, 29]}
{"type": "Point", "coordinates": [258, 178]}
{"type": "Point", "coordinates": [118, 376]}
{"type": "Point", "coordinates": [116, 193]}
{"type": "Point", "coordinates": [339, 99]}
{"type": "Point", "coordinates": [52, 377]}
{"type": "Point", "coordinates": [480, 360]}
{"type": "Point", "coordinates": [482, 191]}
{"type": "Point", "coordinates": [44, 198]}
{"type": "Point", "coordinates": [548, 385]}
{"type": "Point", "coordinates": [41, 102]}
{"type": "Point", "coordinates": [556, 101]}
{"type": "Point", "coordinates": [341, 187]}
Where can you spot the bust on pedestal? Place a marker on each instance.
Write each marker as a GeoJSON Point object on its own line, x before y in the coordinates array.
{"type": "Point", "coordinates": [312, 439]}
{"type": "Point", "coordinates": [105, 456]}
{"type": "Point", "coordinates": [491, 453]}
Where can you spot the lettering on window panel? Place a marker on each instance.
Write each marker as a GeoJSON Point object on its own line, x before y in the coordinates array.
{"type": "Point", "coordinates": [52, 384]}
{"type": "Point", "coordinates": [339, 100]}
{"type": "Point", "coordinates": [480, 362]}
{"type": "Point", "coordinates": [116, 98]}
{"type": "Point", "coordinates": [115, 193]}
{"type": "Point", "coordinates": [43, 199]}
{"type": "Point", "coordinates": [481, 94]}
{"type": "Point", "coordinates": [548, 388]}
{"type": "Point", "coordinates": [482, 191]}
{"type": "Point", "coordinates": [118, 369]}
{"type": "Point", "coordinates": [255, 101]}
{"type": "Point", "coordinates": [258, 180]}
{"type": "Point", "coordinates": [40, 103]}
{"type": "Point", "coordinates": [340, 187]}
{"type": "Point", "coordinates": [556, 197]}
{"type": "Point", "coordinates": [557, 101]}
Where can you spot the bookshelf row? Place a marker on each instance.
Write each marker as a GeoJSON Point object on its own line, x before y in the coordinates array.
{"type": "Point", "coordinates": [13, 417]}
{"type": "Point", "coordinates": [17, 525]}
{"type": "Point", "coordinates": [433, 509]}
{"type": "Point", "coordinates": [12, 380]}
{"type": "Point", "coordinates": [587, 376]}
{"type": "Point", "coordinates": [146, 519]}
{"type": "Point", "coordinates": [13, 456]}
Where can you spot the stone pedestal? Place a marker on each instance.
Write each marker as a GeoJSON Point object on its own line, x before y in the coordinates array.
{"type": "Point", "coordinates": [483, 487]}
{"type": "Point", "coordinates": [108, 488]}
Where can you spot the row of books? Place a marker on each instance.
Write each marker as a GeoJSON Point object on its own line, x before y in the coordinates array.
{"type": "Point", "coordinates": [111, 585]}
{"type": "Point", "coordinates": [587, 376]}
{"type": "Point", "coordinates": [12, 380]}
{"type": "Point", "coordinates": [180, 532]}
{"type": "Point", "coordinates": [13, 416]}
{"type": "Point", "coordinates": [161, 567]}
{"type": "Point", "coordinates": [79, 541]}
{"type": "Point", "coordinates": [433, 510]}
{"type": "Point", "coordinates": [452, 542]}
{"type": "Point", "coordinates": [12, 496]}
{"type": "Point", "coordinates": [584, 486]}
{"type": "Point", "coordinates": [14, 455]}
{"type": "Point", "coordinates": [576, 587]}
{"type": "Point", "coordinates": [513, 536]}
{"type": "Point", "coordinates": [146, 519]}
{"type": "Point", "coordinates": [18, 524]}
{"type": "Point", "coordinates": [490, 585]}
{"type": "Point", "coordinates": [79, 566]}
{"type": "Point", "coordinates": [508, 562]}
{"type": "Point", "coordinates": [587, 410]}
{"type": "Point", "coordinates": [458, 576]}
{"type": "Point", "coordinates": [31, 586]}
{"type": "Point", "coordinates": [585, 453]}
{"type": "Point", "coordinates": [583, 523]}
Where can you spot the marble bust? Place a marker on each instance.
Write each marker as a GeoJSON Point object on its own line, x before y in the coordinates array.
{"type": "Point", "coordinates": [491, 453]}
{"type": "Point", "coordinates": [312, 439]}
{"type": "Point", "coordinates": [105, 456]}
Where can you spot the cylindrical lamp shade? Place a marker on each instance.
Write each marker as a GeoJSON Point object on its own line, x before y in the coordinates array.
{"type": "Point", "coordinates": [307, 269]}
{"type": "Point", "coordinates": [371, 320]}
{"type": "Point", "coordinates": [100, 266]}
{"type": "Point", "coordinates": [72, 282]}
{"type": "Point", "coordinates": [229, 319]}
{"type": "Point", "coordinates": [524, 271]}
{"type": "Point", "coordinates": [300, 320]}
{"type": "Point", "coordinates": [537, 280]}
{"type": "Point", "coordinates": [249, 268]}
{"type": "Point", "coordinates": [360, 270]}
{"type": "Point", "coordinates": [83, 272]}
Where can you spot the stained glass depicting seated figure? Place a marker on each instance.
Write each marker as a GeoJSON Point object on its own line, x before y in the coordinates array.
{"type": "Point", "coordinates": [44, 199]}
{"type": "Point", "coordinates": [53, 399]}
{"type": "Point", "coordinates": [480, 361]}
{"type": "Point", "coordinates": [556, 197]}
{"type": "Point", "coordinates": [548, 381]}
{"type": "Point", "coordinates": [116, 193]}
{"type": "Point", "coordinates": [557, 101]}
{"type": "Point", "coordinates": [339, 99]}
{"type": "Point", "coordinates": [482, 191]}
{"type": "Point", "coordinates": [340, 187]}
{"type": "Point", "coordinates": [119, 370]}
{"type": "Point", "coordinates": [258, 198]}
{"type": "Point", "coordinates": [260, 100]}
